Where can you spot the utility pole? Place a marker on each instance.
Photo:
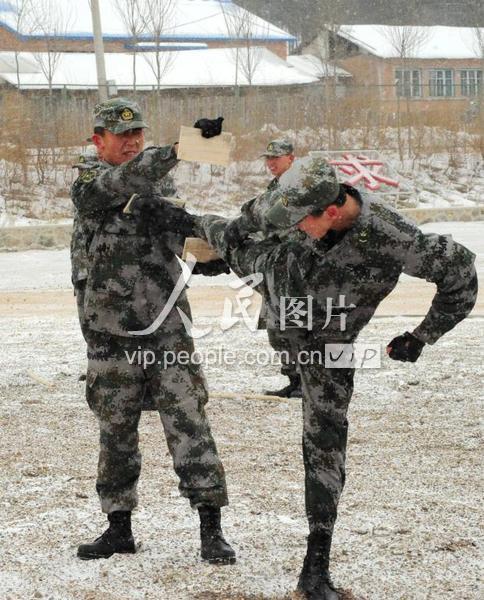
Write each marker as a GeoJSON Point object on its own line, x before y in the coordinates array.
{"type": "Point", "coordinates": [99, 50]}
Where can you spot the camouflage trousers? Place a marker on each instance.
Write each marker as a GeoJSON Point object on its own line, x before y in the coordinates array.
{"type": "Point", "coordinates": [282, 344]}
{"type": "Point", "coordinates": [326, 397]}
{"type": "Point", "coordinates": [279, 342]}
{"type": "Point", "coordinates": [114, 392]}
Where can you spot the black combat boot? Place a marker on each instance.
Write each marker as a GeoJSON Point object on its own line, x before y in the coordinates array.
{"type": "Point", "coordinates": [314, 581]}
{"type": "Point", "coordinates": [116, 539]}
{"type": "Point", "coordinates": [293, 390]}
{"type": "Point", "coordinates": [215, 549]}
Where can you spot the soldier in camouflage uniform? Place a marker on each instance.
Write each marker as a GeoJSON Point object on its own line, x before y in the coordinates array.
{"type": "Point", "coordinates": [279, 156]}
{"type": "Point", "coordinates": [128, 260]}
{"type": "Point", "coordinates": [360, 247]}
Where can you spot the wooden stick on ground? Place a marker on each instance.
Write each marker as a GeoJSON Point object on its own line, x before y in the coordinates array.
{"type": "Point", "coordinates": [238, 396]}
{"type": "Point", "coordinates": [41, 380]}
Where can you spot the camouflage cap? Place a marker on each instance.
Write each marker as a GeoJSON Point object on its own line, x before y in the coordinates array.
{"type": "Point", "coordinates": [310, 184]}
{"type": "Point", "coordinates": [278, 148]}
{"type": "Point", "coordinates": [118, 115]}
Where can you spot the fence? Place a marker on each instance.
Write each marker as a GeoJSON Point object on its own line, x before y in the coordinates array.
{"type": "Point", "coordinates": [63, 118]}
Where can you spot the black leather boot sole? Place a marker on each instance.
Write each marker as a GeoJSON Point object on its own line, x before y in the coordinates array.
{"type": "Point", "coordinates": [104, 550]}
{"type": "Point", "coordinates": [231, 560]}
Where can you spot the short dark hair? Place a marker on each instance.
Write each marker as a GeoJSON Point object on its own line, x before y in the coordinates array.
{"type": "Point", "coordinates": [317, 211]}
{"type": "Point", "coordinates": [344, 189]}
{"type": "Point", "coordinates": [351, 191]}
{"type": "Point", "coordinates": [99, 130]}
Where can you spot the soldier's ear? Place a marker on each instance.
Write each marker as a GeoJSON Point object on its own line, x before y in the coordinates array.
{"type": "Point", "coordinates": [98, 141]}
{"type": "Point", "coordinates": [332, 211]}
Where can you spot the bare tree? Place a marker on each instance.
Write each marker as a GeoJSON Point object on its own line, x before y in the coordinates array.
{"type": "Point", "coordinates": [22, 10]}
{"type": "Point", "coordinates": [243, 27]}
{"type": "Point", "coordinates": [53, 23]}
{"type": "Point", "coordinates": [326, 52]}
{"type": "Point", "coordinates": [131, 12]}
{"type": "Point", "coordinates": [405, 42]}
{"type": "Point", "coordinates": [478, 42]}
{"type": "Point", "coordinates": [158, 19]}
{"type": "Point", "coordinates": [479, 52]}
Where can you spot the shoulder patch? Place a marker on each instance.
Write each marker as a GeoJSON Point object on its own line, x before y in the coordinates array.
{"type": "Point", "coordinates": [87, 175]}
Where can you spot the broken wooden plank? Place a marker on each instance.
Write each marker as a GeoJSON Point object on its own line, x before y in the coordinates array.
{"type": "Point", "coordinates": [200, 250]}
{"type": "Point", "coordinates": [192, 147]}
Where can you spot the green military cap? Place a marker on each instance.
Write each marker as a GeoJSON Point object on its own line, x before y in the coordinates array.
{"type": "Point", "coordinates": [278, 148]}
{"type": "Point", "coordinates": [309, 185]}
{"type": "Point", "coordinates": [118, 115]}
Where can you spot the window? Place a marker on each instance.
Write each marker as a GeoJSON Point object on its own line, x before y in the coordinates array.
{"type": "Point", "coordinates": [408, 83]}
{"type": "Point", "coordinates": [470, 82]}
{"type": "Point", "coordinates": [442, 83]}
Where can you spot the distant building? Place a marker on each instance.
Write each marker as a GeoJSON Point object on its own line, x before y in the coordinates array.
{"type": "Point", "coordinates": [216, 23]}
{"type": "Point", "coordinates": [431, 66]}
{"type": "Point", "coordinates": [208, 68]}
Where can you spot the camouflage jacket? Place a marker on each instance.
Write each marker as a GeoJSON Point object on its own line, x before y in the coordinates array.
{"type": "Point", "coordinates": [79, 265]}
{"type": "Point", "coordinates": [252, 219]}
{"type": "Point", "coordinates": [363, 266]}
{"type": "Point", "coordinates": [253, 211]}
{"type": "Point", "coordinates": [80, 235]}
{"type": "Point", "coordinates": [132, 266]}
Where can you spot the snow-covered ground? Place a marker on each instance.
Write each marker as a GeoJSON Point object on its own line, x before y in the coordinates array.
{"type": "Point", "coordinates": [50, 269]}
{"type": "Point", "coordinates": [408, 526]}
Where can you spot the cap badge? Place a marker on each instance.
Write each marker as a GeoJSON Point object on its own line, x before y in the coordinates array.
{"type": "Point", "coordinates": [127, 115]}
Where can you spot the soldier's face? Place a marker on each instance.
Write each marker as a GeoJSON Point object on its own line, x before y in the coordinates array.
{"type": "Point", "coordinates": [119, 148]}
{"type": "Point", "coordinates": [278, 165]}
{"type": "Point", "coordinates": [315, 226]}
{"type": "Point", "coordinates": [311, 226]}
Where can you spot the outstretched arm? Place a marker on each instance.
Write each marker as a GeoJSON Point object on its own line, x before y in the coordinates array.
{"type": "Point", "coordinates": [99, 189]}
{"type": "Point", "coordinates": [281, 263]}
{"type": "Point", "coordinates": [245, 259]}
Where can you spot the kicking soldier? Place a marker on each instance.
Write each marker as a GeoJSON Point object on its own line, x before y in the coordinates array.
{"type": "Point", "coordinates": [359, 249]}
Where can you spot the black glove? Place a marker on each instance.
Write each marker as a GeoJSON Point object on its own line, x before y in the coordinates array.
{"type": "Point", "coordinates": [210, 127]}
{"type": "Point", "coordinates": [163, 214]}
{"type": "Point", "coordinates": [233, 236]}
{"type": "Point", "coordinates": [406, 348]}
{"type": "Point", "coordinates": [211, 268]}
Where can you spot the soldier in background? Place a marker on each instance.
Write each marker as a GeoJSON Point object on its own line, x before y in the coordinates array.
{"type": "Point", "coordinates": [279, 156]}
{"type": "Point", "coordinates": [359, 247]}
{"type": "Point", "coordinates": [128, 262]}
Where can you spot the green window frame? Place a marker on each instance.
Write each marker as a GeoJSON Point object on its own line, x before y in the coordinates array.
{"type": "Point", "coordinates": [470, 82]}
{"type": "Point", "coordinates": [441, 83]}
{"type": "Point", "coordinates": [408, 83]}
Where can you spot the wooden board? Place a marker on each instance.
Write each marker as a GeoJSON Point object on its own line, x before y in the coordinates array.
{"type": "Point", "coordinates": [192, 147]}
{"type": "Point", "coordinates": [200, 250]}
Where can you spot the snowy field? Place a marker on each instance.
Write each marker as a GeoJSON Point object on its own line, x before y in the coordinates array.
{"type": "Point", "coordinates": [409, 517]}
